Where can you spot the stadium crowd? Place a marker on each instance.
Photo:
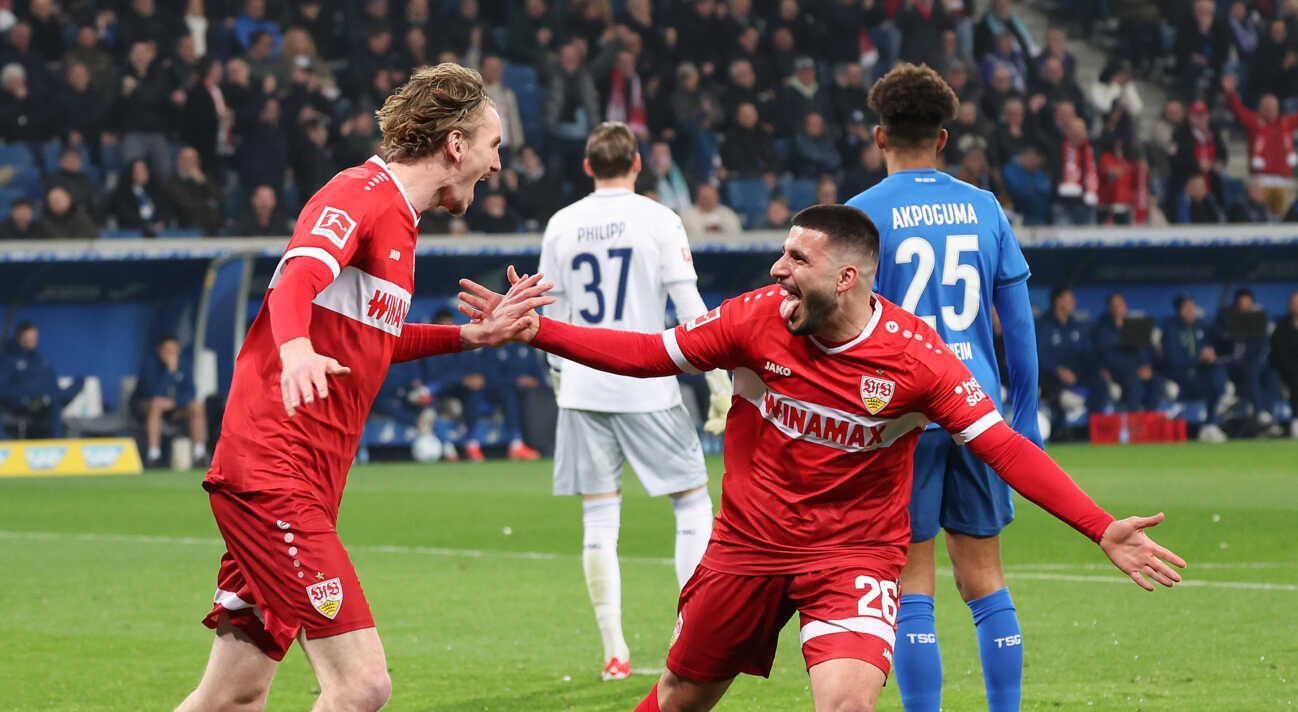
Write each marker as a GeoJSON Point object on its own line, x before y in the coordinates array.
{"type": "Point", "coordinates": [132, 117]}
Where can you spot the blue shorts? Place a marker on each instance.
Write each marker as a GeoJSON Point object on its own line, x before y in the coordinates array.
{"type": "Point", "coordinates": [956, 491]}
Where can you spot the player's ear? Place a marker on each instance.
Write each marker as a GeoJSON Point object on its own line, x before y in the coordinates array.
{"type": "Point", "coordinates": [942, 136]}
{"type": "Point", "coordinates": [879, 137]}
{"type": "Point", "coordinates": [848, 276]}
{"type": "Point", "coordinates": [455, 145]}
{"type": "Point", "coordinates": [636, 163]}
{"type": "Point", "coordinates": [585, 166]}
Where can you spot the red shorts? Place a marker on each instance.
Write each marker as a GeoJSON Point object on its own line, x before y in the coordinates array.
{"type": "Point", "coordinates": [728, 624]}
{"type": "Point", "coordinates": [284, 570]}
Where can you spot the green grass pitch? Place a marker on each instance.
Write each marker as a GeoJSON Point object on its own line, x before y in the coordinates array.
{"type": "Point", "coordinates": [473, 575]}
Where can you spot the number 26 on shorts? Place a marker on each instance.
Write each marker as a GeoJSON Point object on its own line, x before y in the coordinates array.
{"type": "Point", "coordinates": [880, 599]}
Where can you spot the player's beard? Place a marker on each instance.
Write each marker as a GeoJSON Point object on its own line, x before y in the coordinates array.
{"type": "Point", "coordinates": [815, 309]}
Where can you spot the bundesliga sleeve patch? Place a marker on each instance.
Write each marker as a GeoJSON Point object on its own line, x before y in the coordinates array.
{"type": "Point", "coordinates": [326, 597]}
{"type": "Point", "coordinates": [703, 319]}
{"type": "Point", "coordinates": [335, 225]}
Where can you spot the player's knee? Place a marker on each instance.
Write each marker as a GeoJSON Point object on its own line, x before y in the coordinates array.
{"type": "Point", "coordinates": [847, 704]}
{"type": "Point", "coordinates": [373, 692]}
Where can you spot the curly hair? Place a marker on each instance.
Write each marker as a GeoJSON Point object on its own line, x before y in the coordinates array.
{"type": "Point", "coordinates": [420, 114]}
{"type": "Point", "coordinates": [913, 102]}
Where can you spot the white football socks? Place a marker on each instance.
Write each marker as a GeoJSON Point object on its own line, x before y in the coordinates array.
{"type": "Point", "coordinates": [601, 519]}
{"type": "Point", "coordinates": [693, 530]}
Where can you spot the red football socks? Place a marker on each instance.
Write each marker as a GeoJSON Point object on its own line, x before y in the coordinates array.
{"type": "Point", "coordinates": [650, 703]}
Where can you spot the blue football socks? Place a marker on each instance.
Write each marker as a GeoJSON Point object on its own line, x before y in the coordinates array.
{"type": "Point", "coordinates": [917, 659]}
{"type": "Point", "coordinates": [1000, 645]}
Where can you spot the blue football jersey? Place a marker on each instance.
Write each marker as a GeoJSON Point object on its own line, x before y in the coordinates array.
{"type": "Point", "coordinates": [945, 247]}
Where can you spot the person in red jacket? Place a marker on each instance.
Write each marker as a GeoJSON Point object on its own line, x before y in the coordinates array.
{"type": "Point", "coordinates": [1271, 153]}
{"type": "Point", "coordinates": [1124, 184]}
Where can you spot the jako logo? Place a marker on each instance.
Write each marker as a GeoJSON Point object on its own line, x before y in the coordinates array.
{"type": "Point", "coordinates": [388, 308]}
{"type": "Point", "coordinates": [778, 369]}
{"type": "Point", "coordinates": [45, 458]}
{"type": "Point", "coordinates": [100, 456]}
{"type": "Point", "coordinates": [975, 392]}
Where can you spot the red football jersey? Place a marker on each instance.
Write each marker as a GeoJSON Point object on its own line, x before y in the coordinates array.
{"type": "Point", "coordinates": [363, 227]}
{"type": "Point", "coordinates": [820, 441]}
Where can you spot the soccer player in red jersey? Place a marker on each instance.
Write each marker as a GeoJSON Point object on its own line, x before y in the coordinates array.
{"type": "Point", "coordinates": [833, 385]}
{"type": "Point", "coordinates": [332, 322]}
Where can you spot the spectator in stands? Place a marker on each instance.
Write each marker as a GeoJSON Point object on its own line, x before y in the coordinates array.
{"type": "Point", "coordinates": [263, 154]}
{"type": "Point", "coordinates": [265, 218]}
{"type": "Point", "coordinates": [975, 170]}
{"type": "Point", "coordinates": [1190, 361]}
{"type": "Point", "coordinates": [204, 32]}
{"type": "Point", "coordinates": [405, 398]}
{"type": "Point", "coordinates": [999, 19]}
{"type": "Point", "coordinates": [21, 223]}
{"type": "Point", "coordinates": [922, 24]}
{"type": "Point", "coordinates": [868, 170]}
{"type": "Point", "coordinates": [1056, 46]}
{"type": "Point", "coordinates": [1274, 69]}
{"type": "Point", "coordinates": [800, 95]}
{"type": "Point", "coordinates": [748, 48]}
{"type": "Point", "coordinates": [669, 181]}
{"type": "Point", "coordinates": [1253, 208]}
{"type": "Point", "coordinates": [61, 218]}
{"type": "Point", "coordinates": [511, 134]}
{"type": "Point", "coordinates": [1114, 87]}
{"type": "Point", "coordinates": [748, 152]}
{"type": "Point", "coordinates": [814, 152]}
{"type": "Point", "coordinates": [849, 95]}
{"type": "Point", "coordinates": [1245, 357]}
{"type": "Point", "coordinates": [298, 51]}
{"type": "Point", "coordinates": [143, 23]}
{"type": "Point", "coordinates": [1007, 55]}
{"type": "Point", "coordinates": [81, 112]}
{"type": "Point", "coordinates": [778, 215]}
{"type": "Point", "coordinates": [967, 133]}
{"type": "Point", "coordinates": [743, 89]}
{"type": "Point", "coordinates": [531, 33]}
{"type": "Point", "coordinates": [1140, 32]}
{"type": "Point", "coordinates": [311, 156]}
{"type": "Point", "coordinates": [478, 380]}
{"type": "Point", "coordinates": [1131, 368]}
{"type": "Point", "coordinates": [466, 33]}
{"type": "Point", "coordinates": [18, 50]}
{"type": "Point", "coordinates": [1010, 135]}
{"type": "Point", "coordinates": [415, 49]}
{"type": "Point", "coordinates": [1028, 183]}
{"type": "Point", "coordinates": [1067, 359]}
{"type": "Point", "coordinates": [195, 199]}
{"type": "Point", "coordinates": [1202, 45]}
{"type": "Point", "coordinates": [570, 111]}
{"type": "Point", "coordinates": [377, 56]}
{"type": "Point", "coordinates": [207, 119]}
{"type": "Point", "coordinates": [22, 116]}
{"type": "Point", "coordinates": [1244, 34]}
{"type": "Point", "coordinates": [1077, 178]}
{"type": "Point", "coordinates": [1197, 205]}
{"type": "Point", "coordinates": [1198, 149]}
{"type": "Point", "coordinates": [694, 105]}
{"type": "Point", "coordinates": [1058, 88]}
{"type": "Point", "coordinates": [88, 52]}
{"type": "Point", "coordinates": [966, 88]}
{"type": "Point", "coordinates": [784, 53]}
{"type": "Point", "coordinates": [165, 390]}
{"type": "Point", "coordinates": [143, 108]}
{"type": "Point", "coordinates": [1272, 157]}
{"type": "Point", "coordinates": [83, 189]}
{"type": "Point", "coordinates": [252, 21]}
{"type": "Point", "coordinates": [537, 197]}
{"type": "Point", "coordinates": [1123, 183]}
{"type": "Point", "coordinates": [707, 216]}
{"type": "Point", "coordinates": [47, 31]}
{"type": "Point", "coordinates": [29, 389]}
{"type": "Point", "coordinates": [1000, 90]}
{"type": "Point", "coordinates": [827, 190]}
{"type": "Point", "coordinates": [1284, 356]}
{"type": "Point", "coordinates": [857, 134]}
{"type": "Point", "coordinates": [262, 61]}
{"type": "Point", "coordinates": [139, 203]}
{"type": "Point", "coordinates": [357, 139]}
{"type": "Point", "coordinates": [493, 216]}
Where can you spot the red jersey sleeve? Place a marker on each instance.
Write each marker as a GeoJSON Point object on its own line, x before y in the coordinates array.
{"type": "Point", "coordinates": [329, 228]}
{"type": "Point", "coordinates": [711, 340]}
{"type": "Point", "coordinates": [953, 397]}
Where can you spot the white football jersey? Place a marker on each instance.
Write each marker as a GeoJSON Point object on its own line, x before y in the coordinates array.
{"type": "Point", "coordinates": [612, 256]}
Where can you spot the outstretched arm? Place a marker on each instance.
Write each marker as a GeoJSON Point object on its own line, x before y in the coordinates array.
{"type": "Point", "coordinates": [1015, 311]}
{"type": "Point", "coordinates": [1032, 473]}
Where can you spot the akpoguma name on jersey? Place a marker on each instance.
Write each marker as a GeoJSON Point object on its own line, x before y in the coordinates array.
{"type": "Point", "coordinates": [600, 232]}
{"type": "Point", "coordinates": [935, 214]}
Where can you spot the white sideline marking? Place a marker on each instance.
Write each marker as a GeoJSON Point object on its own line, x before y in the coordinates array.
{"type": "Point", "coordinates": [1013, 573]}
{"type": "Point", "coordinates": [1197, 565]}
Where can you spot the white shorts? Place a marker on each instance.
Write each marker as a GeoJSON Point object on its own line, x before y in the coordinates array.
{"type": "Point", "coordinates": [662, 446]}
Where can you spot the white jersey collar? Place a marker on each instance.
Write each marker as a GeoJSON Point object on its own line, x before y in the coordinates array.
{"type": "Point", "coordinates": [865, 333]}
{"type": "Point", "coordinates": [396, 181]}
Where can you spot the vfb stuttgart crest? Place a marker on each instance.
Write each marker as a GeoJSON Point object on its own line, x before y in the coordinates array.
{"type": "Point", "coordinates": [876, 393]}
{"type": "Point", "coordinates": [326, 597]}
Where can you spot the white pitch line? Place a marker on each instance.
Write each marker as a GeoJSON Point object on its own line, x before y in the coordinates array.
{"type": "Point", "coordinates": [552, 556]}
{"type": "Point", "coordinates": [1195, 564]}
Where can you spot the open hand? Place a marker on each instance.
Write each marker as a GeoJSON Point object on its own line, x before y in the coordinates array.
{"type": "Point", "coordinates": [495, 318]}
{"type": "Point", "coordinates": [303, 373]}
{"type": "Point", "coordinates": [1131, 550]}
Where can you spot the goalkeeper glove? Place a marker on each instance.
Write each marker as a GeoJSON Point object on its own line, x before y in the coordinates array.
{"type": "Point", "coordinates": [719, 401]}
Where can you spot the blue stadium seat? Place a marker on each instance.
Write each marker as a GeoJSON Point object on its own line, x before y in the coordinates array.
{"type": "Point", "coordinates": [800, 192]}
{"type": "Point", "coordinates": [110, 155]}
{"type": "Point", "coordinates": [522, 79]}
{"type": "Point", "coordinates": [27, 175]}
{"type": "Point", "coordinates": [120, 234]}
{"type": "Point", "coordinates": [749, 198]}
{"type": "Point", "coordinates": [7, 198]}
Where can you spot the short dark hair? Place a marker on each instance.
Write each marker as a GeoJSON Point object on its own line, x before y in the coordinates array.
{"type": "Point", "coordinates": [1058, 292]}
{"type": "Point", "coordinates": [912, 103]}
{"type": "Point", "coordinates": [23, 328]}
{"type": "Point", "coordinates": [611, 149]}
{"type": "Point", "coordinates": [846, 227]}
{"type": "Point", "coordinates": [165, 339]}
{"type": "Point", "coordinates": [1244, 292]}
